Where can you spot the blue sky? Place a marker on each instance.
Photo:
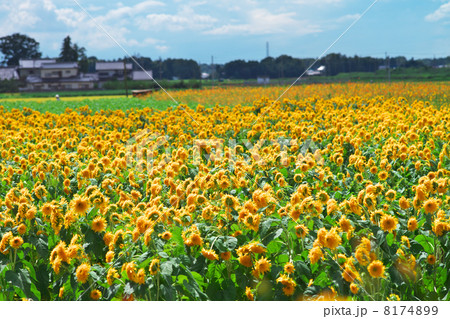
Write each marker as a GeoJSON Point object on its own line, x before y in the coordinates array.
{"type": "Point", "coordinates": [234, 29]}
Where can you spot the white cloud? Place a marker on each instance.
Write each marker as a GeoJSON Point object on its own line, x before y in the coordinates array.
{"type": "Point", "coordinates": [48, 5]}
{"type": "Point", "coordinates": [70, 17]}
{"type": "Point", "coordinates": [262, 21]}
{"type": "Point", "coordinates": [130, 11]}
{"type": "Point", "coordinates": [185, 19]}
{"type": "Point", "coordinates": [20, 15]}
{"type": "Point", "coordinates": [162, 48]}
{"type": "Point", "coordinates": [116, 22]}
{"type": "Point", "coordinates": [442, 12]}
{"type": "Point", "coordinates": [348, 18]}
{"type": "Point", "coordinates": [317, 2]}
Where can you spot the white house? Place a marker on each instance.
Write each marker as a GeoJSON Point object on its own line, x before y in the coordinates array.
{"type": "Point", "coordinates": [32, 67]}
{"type": "Point", "coordinates": [9, 73]}
{"type": "Point", "coordinates": [113, 70]}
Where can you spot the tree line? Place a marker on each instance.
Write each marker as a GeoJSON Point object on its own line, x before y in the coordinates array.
{"type": "Point", "coordinates": [286, 66]}
{"type": "Point", "coordinates": [19, 46]}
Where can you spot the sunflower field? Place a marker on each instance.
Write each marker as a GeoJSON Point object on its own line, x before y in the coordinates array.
{"type": "Point", "coordinates": [333, 192]}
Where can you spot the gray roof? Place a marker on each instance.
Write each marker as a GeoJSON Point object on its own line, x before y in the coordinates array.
{"type": "Point", "coordinates": [108, 66]}
{"type": "Point", "coordinates": [34, 64]}
{"type": "Point", "coordinates": [142, 75]}
{"type": "Point", "coordinates": [65, 65]}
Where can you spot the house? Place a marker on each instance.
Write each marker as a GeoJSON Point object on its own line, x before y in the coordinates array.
{"type": "Point", "coordinates": [9, 73]}
{"type": "Point", "coordinates": [81, 82]}
{"type": "Point", "coordinates": [59, 70]}
{"type": "Point", "coordinates": [113, 70]}
{"type": "Point", "coordinates": [142, 75]}
{"type": "Point", "coordinates": [51, 75]}
{"type": "Point", "coordinates": [32, 67]}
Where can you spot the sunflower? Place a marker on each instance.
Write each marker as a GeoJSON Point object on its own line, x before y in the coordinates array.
{"type": "Point", "coordinates": [80, 204]}
{"type": "Point", "coordinates": [321, 234]}
{"type": "Point", "coordinates": [388, 223]}
{"type": "Point", "coordinates": [249, 294]}
{"type": "Point", "coordinates": [383, 175]}
{"type": "Point", "coordinates": [390, 195]}
{"type": "Point", "coordinates": [412, 224]}
{"type": "Point", "coordinates": [83, 272]}
{"type": "Point", "coordinates": [332, 239]}
{"type": "Point", "coordinates": [21, 229]}
{"type": "Point", "coordinates": [332, 206]}
{"type": "Point", "coordinates": [362, 255]}
{"type": "Point", "coordinates": [166, 235]}
{"type": "Point", "coordinates": [96, 294]}
{"type": "Point", "coordinates": [404, 203]}
{"type": "Point", "coordinates": [225, 256]}
{"type": "Point", "coordinates": [196, 240]}
{"type": "Point", "coordinates": [262, 265]}
{"type": "Point", "coordinates": [289, 290]}
{"type": "Point", "coordinates": [376, 269]}
{"type": "Point", "coordinates": [430, 205]}
{"type": "Point", "coordinates": [98, 224]}
{"type": "Point", "coordinates": [245, 260]}
{"type": "Point", "coordinates": [370, 201]}
{"type": "Point", "coordinates": [354, 288]}
{"type": "Point", "coordinates": [209, 254]}
{"type": "Point", "coordinates": [109, 256]}
{"type": "Point", "coordinates": [111, 276]}
{"type": "Point", "coordinates": [431, 259]}
{"type": "Point", "coordinates": [154, 266]}
{"type": "Point", "coordinates": [289, 268]}
{"type": "Point", "coordinates": [301, 231]}
{"type": "Point", "coordinates": [61, 292]}
{"type": "Point", "coordinates": [349, 273]}
{"type": "Point", "coordinates": [439, 227]}
{"type": "Point", "coordinates": [16, 242]}
{"type": "Point", "coordinates": [345, 224]}
{"type": "Point", "coordinates": [315, 254]}
{"type": "Point", "coordinates": [140, 277]}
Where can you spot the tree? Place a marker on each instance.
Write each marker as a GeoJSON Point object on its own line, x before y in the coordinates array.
{"type": "Point", "coordinates": [69, 52]}
{"type": "Point", "coordinates": [73, 53]}
{"type": "Point", "coordinates": [18, 46]}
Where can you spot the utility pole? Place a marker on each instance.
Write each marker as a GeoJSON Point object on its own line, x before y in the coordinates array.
{"type": "Point", "coordinates": [125, 77]}
{"type": "Point", "coordinates": [212, 71]}
{"type": "Point", "coordinates": [388, 67]}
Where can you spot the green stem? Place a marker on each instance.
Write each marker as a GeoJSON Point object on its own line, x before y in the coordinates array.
{"type": "Point", "coordinates": [157, 287]}
{"type": "Point", "coordinates": [288, 241]}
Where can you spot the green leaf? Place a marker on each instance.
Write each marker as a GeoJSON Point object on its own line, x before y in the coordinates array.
{"type": "Point", "coordinates": [14, 279]}
{"type": "Point", "coordinates": [390, 239]}
{"type": "Point", "coordinates": [163, 254]}
{"type": "Point", "coordinates": [426, 243]}
{"type": "Point", "coordinates": [111, 292]}
{"type": "Point", "coordinates": [28, 286]}
{"type": "Point", "coordinates": [41, 245]}
{"type": "Point", "coordinates": [271, 236]}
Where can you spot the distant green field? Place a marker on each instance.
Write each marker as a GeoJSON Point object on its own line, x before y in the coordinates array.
{"type": "Point", "coordinates": [121, 103]}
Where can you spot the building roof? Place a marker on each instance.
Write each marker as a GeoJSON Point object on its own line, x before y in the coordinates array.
{"type": "Point", "coordinates": [108, 66]}
{"type": "Point", "coordinates": [8, 74]}
{"type": "Point", "coordinates": [142, 75]}
{"type": "Point", "coordinates": [34, 64]}
{"type": "Point", "coordinates": [64, 65]}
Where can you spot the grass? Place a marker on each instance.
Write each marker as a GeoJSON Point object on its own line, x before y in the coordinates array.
{"type": "Point", "coordinates": [58, 107]}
